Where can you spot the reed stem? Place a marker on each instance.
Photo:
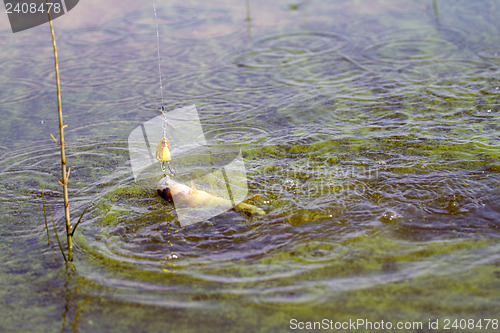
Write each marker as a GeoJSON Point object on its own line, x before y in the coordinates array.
{"type": "Point", "coordinates": [249, 17]}
{"type": "Point", "coordinates": [65, 174]}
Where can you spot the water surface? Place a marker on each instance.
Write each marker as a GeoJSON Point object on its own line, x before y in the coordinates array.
{"type": "Point", "coordinates": [370, 129]}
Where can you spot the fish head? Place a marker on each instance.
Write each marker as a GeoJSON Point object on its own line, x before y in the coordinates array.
{"type": "Point", "coordinates": [168, 188]}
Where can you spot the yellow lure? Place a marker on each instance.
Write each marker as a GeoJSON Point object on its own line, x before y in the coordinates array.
{"type": "Point", "coordinates": [163, 151]}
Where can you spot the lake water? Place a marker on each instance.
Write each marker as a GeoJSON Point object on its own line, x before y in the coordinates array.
{"type": "Point", "coordinates": [370, 129]}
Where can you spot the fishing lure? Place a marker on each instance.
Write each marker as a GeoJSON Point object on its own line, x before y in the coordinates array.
{"type": "Point", "coordinates": [163, 156]}
{"type": "Point", "coordinates": [163, 151]}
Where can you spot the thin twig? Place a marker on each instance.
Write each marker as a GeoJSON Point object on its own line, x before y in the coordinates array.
{"type": "Point", "coordinates": [45, 217]}
{"type": "Point", "coordinates": [57, 235]}
{"type": "Point", "coordinates": [79, 220]}
{"type": "Point", "coordinates": [54, 139]}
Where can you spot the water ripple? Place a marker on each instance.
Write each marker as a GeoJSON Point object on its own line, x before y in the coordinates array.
{"type": "Point", "coordinates": [318, 252]}
{"type": "Point", "coordinates": [478, 82]}
{"type": "Point", "coordinates": [94, 36]}
{"type": "Point", "coordinates": [21, 90]}
{"type": "Point", "coordinates": [428, 72]}
{"type": "Point", "coordinates": [287, 49]}
{"type": "Point", "coordinates": [22, 178]}
{"type": "Point", "coordinates": [374, 167]}
{"type": "Point", "coordinates": [237, 135]}
{"type": "Point", "coordinates": [409, 45]}
{"type": "Point", "coordinates": [93, 72]}
{"type": "Point", "coordinates": [224, 112]}
{"type": "Point", "coordinates": [490, 54]}
{"type": "Point", "coordinates": [167, 18]}
{"type": "Point", "coordinates": [291, 296]}
{"type": "Point", "coordinates": [186, 23]}
{"type": "Point", "coordinates": [323, 71]}
{"type": "Point", "coordinates": [235, 80]}
{"type": "Point", "coordinates": [443, 196]}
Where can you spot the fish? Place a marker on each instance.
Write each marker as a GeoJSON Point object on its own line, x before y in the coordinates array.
{"type": "Point", "coordinates": [192, 197]}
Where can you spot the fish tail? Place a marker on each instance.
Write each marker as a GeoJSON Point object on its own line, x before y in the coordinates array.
{"type": "Point", "coordinates": [250, 208]}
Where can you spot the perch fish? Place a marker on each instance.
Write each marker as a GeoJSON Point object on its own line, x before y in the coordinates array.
{"type": "Point", "coordinates": [191, 197]}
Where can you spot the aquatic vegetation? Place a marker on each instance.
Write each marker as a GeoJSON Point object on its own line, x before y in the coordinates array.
{"type": "Point", "coordinates": [70, 229]}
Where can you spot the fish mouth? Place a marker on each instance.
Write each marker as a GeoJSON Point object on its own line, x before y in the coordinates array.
{"type": "Point", "coordinates": [163, 189]}
{"type": "Point", "coordinates": [166, 194]}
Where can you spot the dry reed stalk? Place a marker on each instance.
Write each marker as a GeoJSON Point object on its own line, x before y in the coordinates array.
{"type": "Point", "coordinates": [61, 143]}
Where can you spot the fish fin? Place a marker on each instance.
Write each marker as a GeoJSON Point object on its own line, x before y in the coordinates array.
{"type": "Point", "coordinates": [250, 208]}
{"type": "Point", "coordinates": [253, 198]}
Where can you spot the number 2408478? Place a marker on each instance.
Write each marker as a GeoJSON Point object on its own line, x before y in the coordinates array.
{"type": "Point", "coordinates": [33, 8]}
{"type": "Point", "coordinates": [471, 324]}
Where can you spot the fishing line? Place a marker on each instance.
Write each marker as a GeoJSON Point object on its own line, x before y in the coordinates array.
{"type": "Point", "coordinates": [159, 59]}
{"type": "Point", "coordinates": [163, 148]}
